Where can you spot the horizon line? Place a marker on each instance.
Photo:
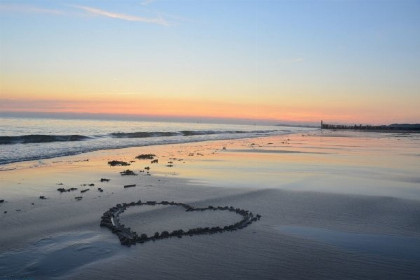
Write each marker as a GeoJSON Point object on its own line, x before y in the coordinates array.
{"type": "Point", "coordinates": [117, 117]}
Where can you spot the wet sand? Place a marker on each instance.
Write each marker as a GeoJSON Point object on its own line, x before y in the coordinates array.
{"type": "Point", "coordinates": [333, 206]}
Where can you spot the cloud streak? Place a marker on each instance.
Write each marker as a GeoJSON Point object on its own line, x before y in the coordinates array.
{"type": "Point", "coordinates": [28, 9]}
{"type": "Point", "coordinates": [108, 14]}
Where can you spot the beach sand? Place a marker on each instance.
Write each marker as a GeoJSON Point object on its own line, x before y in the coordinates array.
{"type": "Point", "coordinates": [334, 205]}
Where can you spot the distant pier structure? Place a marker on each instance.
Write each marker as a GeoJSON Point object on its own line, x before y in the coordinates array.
{"type": "Point", "coordinates": [379, 128]}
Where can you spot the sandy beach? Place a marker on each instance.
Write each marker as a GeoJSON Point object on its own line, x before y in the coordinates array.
{"type": "Point", "coordinates": [333, 205]}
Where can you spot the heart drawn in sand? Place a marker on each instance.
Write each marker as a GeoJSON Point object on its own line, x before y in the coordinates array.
{"type": "Point", "coordinates": [128, 237]}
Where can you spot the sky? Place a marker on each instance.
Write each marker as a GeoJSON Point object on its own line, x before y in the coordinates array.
{"type": "Point", "coordinates": [284, 61]}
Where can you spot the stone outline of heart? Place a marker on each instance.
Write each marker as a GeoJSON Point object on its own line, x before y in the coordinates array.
{"type": "Point", "coordinates": [127, 237]}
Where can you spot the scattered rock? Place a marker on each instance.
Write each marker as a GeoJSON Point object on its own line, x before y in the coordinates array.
{"type": "Point", "coordinates": [129, 186]}
{"type": "Point", "coordinates": [91, 185]}
{"type": "Point", "coordinates": [128, 172]}
{"type": "Point", "coordinates": [147, 168]}
{"type": "Point", "coordinates": [5, 212]}
{"type": "Point", "coordinates": [83, 191]}
{"type": "Point", "coordinates": [42, 197]}
{"type": "Point", "coordinates": [100, 189]}
{"type": "Point", "coordinates": [78, 197]}
{"type": "Point", "coordinates": [1, 200]}
{"type": "Point", "coordinates": [118, 163]}
{"type": "Point", "coordinates": [105, 180]}
{"type": "Point", "coordinates": [61, 190]}
{"type": "Point", "coordinates": [155, 161]}
{"type": "Point", "coordinates": [169, 165]}
{"type": "Point", "coordinates": [146, 156]}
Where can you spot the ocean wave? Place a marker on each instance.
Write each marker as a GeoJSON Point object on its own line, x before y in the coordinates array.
{"type": "Point", "coordinates": [37, 138]}
{"type": "Point", "coordinates": [142, 134]}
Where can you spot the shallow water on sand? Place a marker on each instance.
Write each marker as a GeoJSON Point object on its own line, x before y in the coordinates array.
{"type": "Point", "coordinates": [383, 164]}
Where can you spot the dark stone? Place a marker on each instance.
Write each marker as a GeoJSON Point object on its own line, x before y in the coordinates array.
{"type": "Point", "coordinates": [105, 180]}
{"type": "Point", "coordinates": [78, 197]}
{"type": "Point", "coordinates": [118, 163]}
{"type": "Point", "coordinates": [130, 186]}
{"type": "Point", "coordinates": [128, 172]}
{"type": "Point", "coordinates": [42, 197]}
{"type": "Point", "coordinates": [1, 200]}
{"type": "Point", "coordinates": [146, 156]}
{"type": "Point", "coordinates": [83, 191]}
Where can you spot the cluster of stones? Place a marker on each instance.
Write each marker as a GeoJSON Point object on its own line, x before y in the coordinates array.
{"type": "Point", "coordinates": [128, 172]}
{"type": "Point", "coordinates": [127, 237]}
{"type": "Point", "coordinates": [118, 163]}
{"type": "Point", "coordinates": [63, 190]}
{"type": "Point", "coordinates": [146, 156]}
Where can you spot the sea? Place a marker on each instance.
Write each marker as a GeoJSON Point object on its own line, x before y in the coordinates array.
{"type": "Point", "coordinates": [28, 139]}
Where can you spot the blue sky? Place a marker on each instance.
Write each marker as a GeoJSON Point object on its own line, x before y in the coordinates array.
{"type": "Point", "coordinates": [287, 60]}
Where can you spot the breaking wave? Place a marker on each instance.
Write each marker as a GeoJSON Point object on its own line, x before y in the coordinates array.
{"type": "Point", "coordinates": [27, 139]}
{"type": "Point", "coordinates": [36, 138]}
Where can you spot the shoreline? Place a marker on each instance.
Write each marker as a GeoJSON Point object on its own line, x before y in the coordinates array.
{"type": "Point", "coordinates": [5, 165]}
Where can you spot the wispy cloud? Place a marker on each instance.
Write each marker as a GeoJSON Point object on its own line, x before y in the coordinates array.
{"type": "Point", "coordinates": [28, 9]}
{"type": "Point", "coordinates": [99, 12]}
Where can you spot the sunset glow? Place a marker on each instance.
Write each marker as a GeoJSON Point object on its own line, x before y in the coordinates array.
{"type": "Point", "coordinates": [304, 61]}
